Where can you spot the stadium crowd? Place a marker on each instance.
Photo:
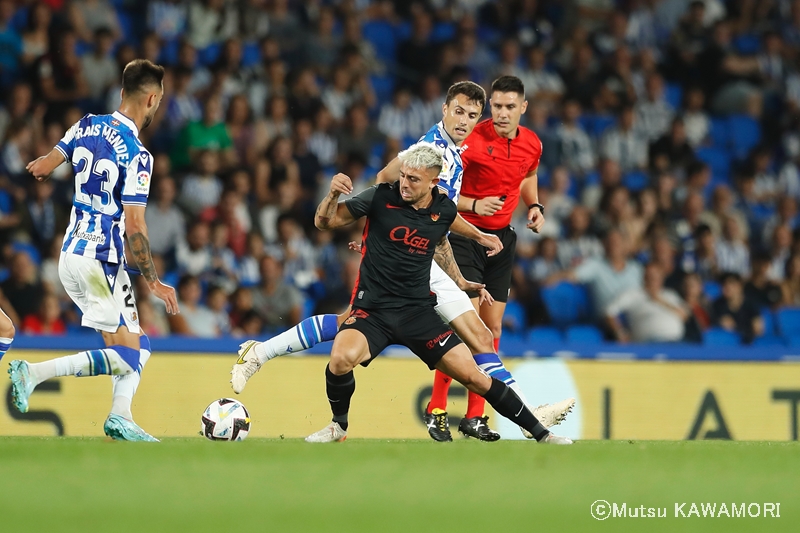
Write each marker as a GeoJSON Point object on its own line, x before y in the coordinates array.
{"type": "Point", "coordinates": [670, 168]}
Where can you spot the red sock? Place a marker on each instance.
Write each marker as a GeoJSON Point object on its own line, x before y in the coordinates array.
{"type": "Point", "coordinates": [441, 385]}
{"type": "Point", "coordinates": [496, 345]}
{"type": "Point", "coordinates": [475, 405]}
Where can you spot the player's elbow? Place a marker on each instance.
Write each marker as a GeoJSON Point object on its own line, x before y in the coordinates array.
{"type": "Point", "coordinates": [322, 223]}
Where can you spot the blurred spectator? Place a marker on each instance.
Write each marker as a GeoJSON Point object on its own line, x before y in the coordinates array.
{"type": "Point", "coordinates": [22, 289]}
{"type": "Point", "coordinates": [654, 114]}
{"type": "Point", "coordinates": [428, 107]}
{"type": "Point", "coordinates": [308, 165]}
{"type": "Point", "coordinates": [674, 146]}
{"type": "Point", "coordinates": [579, 245]}
{"type": "Point", "coordinates": [17, 150]}
{"type": "Point", "coordinates": [610, 178]}
{"type": "Point", "coordinates": [36, 38]}
{"type": "Point", "coordinates": [278, 122]}
{"type": "Point", "coordinates": [195, 319]}
{"type": "Point", "coordinates": [699, 319]}
{"type": "Point", "coordinates": [223, 261]}
{"type": "Point", "coordinates": [249, 264]}
{"type": "Point", "coordinates": [11, 45]}
{"type": "Point", "coordinates": [202, 189]}
{"type": "Point", "coordinates": [699, 256]}
{"type": "Point", "coordinates": [766, 182]}
{"type": "Point", "coordinates": [253, 19]}
{"type": "Point", "coordinates": [560, 203]}
{"type": "Point", "coordinates": [47, 321]}
{"type": "Point", "coordinates": [398, 119]}
{"type": "Point", "coordinates": [734, 312]}
{"type": "Point", "coordinates": [305, 95]}
{"type": "Point", "coordinates": [284, 25]}
{"type": "Point", "coordinates": [695, 118]}
{"type": "Point", "coordinates": [790, 287]}
{"type": "Point", "coordinates": [41, 216]}
{"type": "Point", "coordinates": [546, 264]}
{"type": "Point", "coordinates": [731, 250]}
{"type": "Point", "coordinates": [652, 312]}
{"type": "Point", "coordinates": [722, 205]}
{"type": "Point", "coordinates": [340, 94]}
{"type": "Point", "coordinates": [167, 18]}
{"type": "Point", "coordinates": [250, 137]}
{"type": "Point", "coordinates": [241, 303]}
{"type": "Point", "coordinates": [164, 215]}
{"type": "Point", "coordinates": [540, 83]}
{"type": "Point", "coordinates": [218, 304]}
{"type": "Point", "coordinates": [99, 68]}
{"type": "Point", "coordinates": [323, 143]}
{"type": "Point", "coordinates": [60, 76]}
{"type": "Point", "coordinates": [18, 108]}
{"type": "Point", "coordinates": [152, 323]}
{"type": "Point", "coordinates": [417, 56]}
{"type": "Point", "coordinates": [88, 16]}
{"type": "Point", "coordinates": [577, 153]}
{"type": "Point", "coordinates": [211, 21]}
{"type": "Point", "coordinates": [321, 47]}
{"type": "Point", "coordinates": [209, 134]}
{"type": "Point", "coordinates": [760, 289]}
{"type": "Point", "coordinates": [278, 303]}
{"type": "Point", "coordinates": [779, 251]}
{"type": "Point", "coordinates": [624, 144]}
{"type": "Point", "coordinates": [181, 105]}
{"type": "Point", "coordinates": [358, 135]}
{"type": "Point", "coordinates": [610, 276]}
{"type": "Point", "coordinates": [664, 255]}
{"type": "Point", "coordinates": [785, 215]}
{"type": "Point", "coordinates": [194, 256]}
{"type": "Point", "coordinates": [295, 252]}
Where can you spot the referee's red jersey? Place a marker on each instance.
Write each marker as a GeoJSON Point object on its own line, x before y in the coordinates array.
{"type": "Point", "coordinates": [496, 166]}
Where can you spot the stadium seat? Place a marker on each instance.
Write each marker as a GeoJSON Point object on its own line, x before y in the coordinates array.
{"type": "Point", "coordinates": [443, 31]}
{"type": "Point", "coordinates": [383, 38]}
{"type": "Point", "coordinates": [566, 303]}
{"type": "Point", "coordinates": [718, 159]}
{"type": "Point", "coordinates": [747, 44]}
{"type": "Point", "coordinates": [544, 334]}
{"type": "Point", "coordinates": [588, 334]}
{"type": "Point", "coordinates": [721, 337]}
{"type": "Point", "coordinates": [789, 322]}
{"type": "Point", "coordinates": [673, 94]}
{"type": "Point", "coordinates": [208, 55]}
{"type": "Point", "coordinates": [169, 52]}
{"type": "Point", "coordinates": [745, 134]}
{"type": "Point", "coordinates": [770, 340]}
{"type": "Point", "coordinates": [636, 181]}
{"type": "Point", "coordinates": [793, 341]}
{"type": "Point", "coordinates": [251, 54]}
{"type": "Point", "coordinates": [720, 136]}
{"type": "Point", "coordinates": [515, 318]}
{"type": "Point", "coordinates": [712, 290]}
{"type": "Point", "coordinates": [769, 322]}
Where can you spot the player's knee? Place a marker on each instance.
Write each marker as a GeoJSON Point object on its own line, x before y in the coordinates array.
{"type": "Point", "coordinates": [343, 361]}
{"type": "Point", "coordinates": [475, 381]}
{"type": "Point", "coordinates": [484, 340]}
{"type": "Point", "coordinates": [495, 330]}
{"type": "Point", "coordinates": [7, 330]}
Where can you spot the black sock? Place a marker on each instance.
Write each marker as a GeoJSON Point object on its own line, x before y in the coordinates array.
{"type": "Point", "coordinates": [340, 390]}
{"type": "Point", "coordinates": [506, 402]}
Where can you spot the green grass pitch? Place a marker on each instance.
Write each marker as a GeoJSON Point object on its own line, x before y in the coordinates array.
{"type": "Point", "coordinates": [88, 485]}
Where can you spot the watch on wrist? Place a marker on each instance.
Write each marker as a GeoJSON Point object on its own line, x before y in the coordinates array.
{"type": "Point", "coordinates": [540, 206]}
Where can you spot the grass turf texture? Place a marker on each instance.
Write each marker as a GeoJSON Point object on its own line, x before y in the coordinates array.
{"type": "Point", "coordinates": [86, 485]}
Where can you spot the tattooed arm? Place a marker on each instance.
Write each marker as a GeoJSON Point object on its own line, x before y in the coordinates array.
{"type": "Point", "coordinates": [136, 231]}
{"type": "Point", "coordinates": [443, 255]}
{"type": "Point", "coordinates": [330, 213]}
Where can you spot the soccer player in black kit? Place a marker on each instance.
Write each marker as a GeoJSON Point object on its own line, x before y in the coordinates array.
{"type": "Point", "coordinates": [407, 225]}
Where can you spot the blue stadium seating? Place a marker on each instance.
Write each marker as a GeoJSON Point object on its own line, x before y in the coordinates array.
{"type": "Point", "coordinates": [745, 132]}
{"type": "Point", "coordinates": [747, 44]}
{"type": "Point", "coordinates": [383, 87]}
{"type": "Point", "coordinates": [771, 340]}
{"type": "Point", "coordinates": [584, 334]}
{"type": "Point", "coordinates": [673, 94]}
{"type": "Point", "coordinates": [514, 319]}
{"type": "Point", "coordinates": [712, 290]}
{"type": "Point", "coordinates": [793, 341]}
{"type": "Point", "coordinates": [251, 54]}
{"type": "Point", "coordinates": [208, 55]}
{"type": "Point", "coordinates": [769, 322]}
{"type": "Point", "coordinates": [544, 334]}
{"type": "Point", "coordinates": [636, 181]}
{"type": "Point", "coordinates": [721, 337]}
{"type": "Point", "coordinates": [720, 136]}
{"type": "Point", "coordinates": [789, 322]}
{"type": "Point", "coordinates": [719, 160]}
{"type": "Point", "coordinates": [566, 303]}
{"type": "Point", "coordinates": [383, 38]}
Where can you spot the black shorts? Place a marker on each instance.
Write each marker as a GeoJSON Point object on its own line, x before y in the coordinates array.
{"type": "Point", "coordinates": [475, 265]}
{"type": "Point", "coordinates": [419, 328]}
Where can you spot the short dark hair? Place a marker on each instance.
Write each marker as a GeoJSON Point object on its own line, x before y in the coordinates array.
{"type": "Point", "coordinates": [470, 89]}
{"type": "Point", "coordinates": [140, 74]}
{"type": "Point", "coordinates": [508, 84]}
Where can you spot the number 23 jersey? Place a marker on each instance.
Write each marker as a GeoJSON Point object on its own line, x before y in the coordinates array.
{"type": "Point", "coordinates": [112, 168]}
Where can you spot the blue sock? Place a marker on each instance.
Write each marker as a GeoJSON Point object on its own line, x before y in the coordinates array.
{"type": "Point", "coordinates": [5, 344]}
{"type": "Point", "coordinates": [492, 365]}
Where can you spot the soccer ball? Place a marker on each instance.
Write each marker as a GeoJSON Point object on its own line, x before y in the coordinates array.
{"type": "Point", "coordinates": [225, 419]}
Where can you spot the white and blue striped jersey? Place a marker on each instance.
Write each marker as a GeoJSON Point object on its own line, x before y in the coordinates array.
{"type": "Point", "coordinates": [452, 166]}
{"type": "Point", "coordinates": [112, 169]}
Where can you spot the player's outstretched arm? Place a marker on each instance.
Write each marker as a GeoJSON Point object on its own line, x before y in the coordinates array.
{"type": "Point", "coordinates": [467, 230]}
{"type": "Point", "coordinates": [136, 230]}
{"type": "Point", "coordinates": [41, 167]}
{"type": "Point", "coordinates": [330, 213]}
{"type": "Point", "coordinates": [443, 255]}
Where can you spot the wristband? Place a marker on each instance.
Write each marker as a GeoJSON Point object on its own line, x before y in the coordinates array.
{"type": "Point", "coordinates": [473, 205]}
{"type": "Point", "coordinates": [540, 206]}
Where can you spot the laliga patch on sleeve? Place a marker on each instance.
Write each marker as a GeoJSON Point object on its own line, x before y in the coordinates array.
{"type": "Point", "coordinates": [143, 182]}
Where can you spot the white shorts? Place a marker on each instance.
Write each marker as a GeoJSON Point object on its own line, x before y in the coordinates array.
{"type": "Point", "coordinates": [102, 291]}
{"type": "Point", "coordinates": [451, 302]}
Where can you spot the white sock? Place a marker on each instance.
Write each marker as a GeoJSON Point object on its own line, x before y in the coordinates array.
{"type": "Point", "coordinates": [89, 363]}
{"type": "Point", "coordinates": [308, 333]}
{"type": "Point", "coordinates": [516, 388]}
{"type": "Point", "coordinates": [124, 388]}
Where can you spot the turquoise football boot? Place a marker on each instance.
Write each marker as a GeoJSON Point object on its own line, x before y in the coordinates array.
{"type": "Point", "coordinates": [120, 428]}
{"type": "Point", "coordinates": [21, 384]}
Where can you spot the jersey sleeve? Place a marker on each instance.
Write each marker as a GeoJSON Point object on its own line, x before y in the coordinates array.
{"type": "Point", "coordinates": [360, 204]}
{"type": "Point", "coordinates": [537, 143]}
{"type": "Point", "coordinates": [136, 187]}
{"type": "Point", "coordinates": [67, 143]}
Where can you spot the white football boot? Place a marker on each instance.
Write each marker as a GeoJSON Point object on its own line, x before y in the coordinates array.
{"type": "Point", "coordinates": [333, 432]}
{"type": "Point", "coordinates": [244, 368]}
{"type": "Point", "coordinates": [556, 439]}
{"type": "Point", "coordinates": [551, 414]}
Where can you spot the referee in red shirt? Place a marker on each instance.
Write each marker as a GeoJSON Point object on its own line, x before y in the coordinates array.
{"type": "Point", "coordinates": [501, 159]}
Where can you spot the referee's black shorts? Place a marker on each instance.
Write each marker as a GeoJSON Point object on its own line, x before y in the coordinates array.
{"type": "Point", "coordinates": [420, 328]}
{"type": "Point", "coordinates": [475, 265]}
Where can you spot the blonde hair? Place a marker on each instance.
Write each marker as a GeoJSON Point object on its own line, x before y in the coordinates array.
{"type": "Point", "coordinates": [422, 155]}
